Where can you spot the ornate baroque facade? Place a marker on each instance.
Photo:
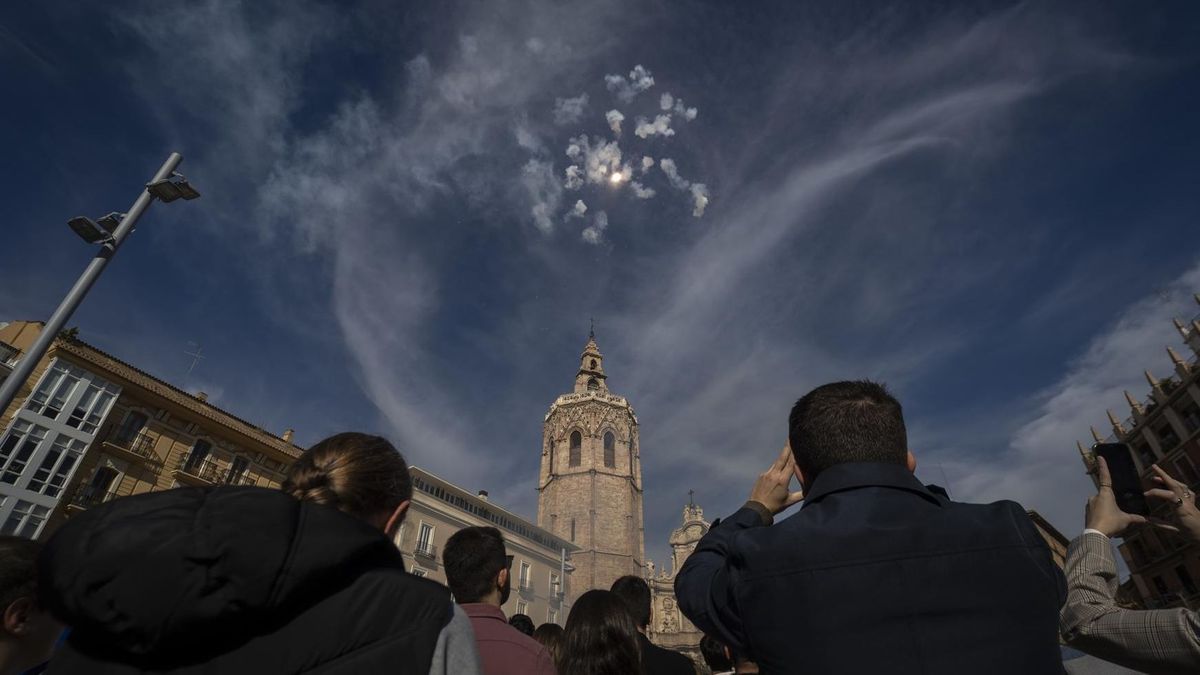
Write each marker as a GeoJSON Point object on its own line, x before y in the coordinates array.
{"type": "Point", "coordinates": [590, 481]}
{"type": "Point", "coordinates": [668, 627]}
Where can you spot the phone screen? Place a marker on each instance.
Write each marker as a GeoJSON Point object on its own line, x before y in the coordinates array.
{"type": "Point", "coordinates": [1126, 483]}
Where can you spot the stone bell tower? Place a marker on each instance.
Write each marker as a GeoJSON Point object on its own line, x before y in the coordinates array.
{"type": "Point", "coordinates": [590, 483]}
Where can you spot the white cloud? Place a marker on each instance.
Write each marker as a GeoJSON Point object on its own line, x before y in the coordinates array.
{"type": "Point", "coordinates": [666, 101]}
{"type": "Point", "coordinates": [599, 160]}
{"type": "Point", "coordinates": [647, 163]}
{"type": "Point", "coordinates": [545, 192]}
{"type": "Point", "coordinates": [574, 177]}
{"type": "Point", "coordinates": [641, 191]}
{"type": "Point", "coordinates": [626, 90]}
{"type": "Point", "coordinates": [699, 198]}
{"type": "Point", "coordinates": [594, 233]}
{"type": "Point", "coordinates": [578, 210]}
{"type": "Point", "coordinates": [661, 126]}
{"type": "Point", "coordinates": [614, 118]}
{"type": "Point", "coordinates": [569, 110]}
{"type": "Point", "coordinates": [668, 167]}
{"type": "Point", "coordinates": [669, 103]}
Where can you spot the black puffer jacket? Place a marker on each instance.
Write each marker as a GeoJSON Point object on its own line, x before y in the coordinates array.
{"type": "Point", "coordinates": [235, 580]}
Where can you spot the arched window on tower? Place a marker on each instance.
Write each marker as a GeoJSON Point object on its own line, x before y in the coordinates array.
{"type": "Point", "coordinates": [576, 448]}
{"type": "Point", "coordinates": [610, 450]}
{"type": "Point", "coordinates": [593, 385]}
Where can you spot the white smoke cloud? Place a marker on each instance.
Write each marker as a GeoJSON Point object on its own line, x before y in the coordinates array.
{"type": "Point", "coordinates": [647, 164]}
{"type": "Point", "coordinates": [574, 179]}
{"type": "Point", "coordinates": [569, 110]}
{"type": "Point", "coordinates": [661, 126]}
{"type": "Point", "coordinates": [594, 233]}
{"type": "Point", "coordinates": [599, 161]}
{"type": "Point", "coordinates": [639, 80]}
{"type": "Point", "coordinates": [669, 103]}
{"type": "Point", "coordinates": [668, 167]}
{"type": "Point", "coordinates": [641, 191]}
{"type": "Point", "coordinates": [699, 198]}
{"type": "Point", "coordinates": [578, 210]}
{"type": "Point", "coordinates": [545, 192]}
{"type": "Point", "coordinates": [614, 118]}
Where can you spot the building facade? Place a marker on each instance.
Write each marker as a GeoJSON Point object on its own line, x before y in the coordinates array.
{"type": "Point", "coordinates": [88, 427]}
{"type": "Point", "coordinates": [590, 480]}
{"type": "Point", "coordinates": [541, 577]}
{"type": "Point", "coordinates": [669, 628]}
{"type": "Point", "coordinates": [1164, 429]}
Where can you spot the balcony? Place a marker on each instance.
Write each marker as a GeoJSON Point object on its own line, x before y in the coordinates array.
{"type": "Point", "coordinates": [425, 550]}
{"type": "Point", "coordinates": [87, 496]}
{"type": "Point", "coordinates": [139, 449]}
{"type": "Point", "coordinates": [201, 474]}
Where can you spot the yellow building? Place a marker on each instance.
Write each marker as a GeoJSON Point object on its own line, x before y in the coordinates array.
{"type": "Point", "coordinates": [540, 572]}
{"type": "Point", "coordinates": [88, 427]}
{"type": "Point", "coordinates": [1164, 429]}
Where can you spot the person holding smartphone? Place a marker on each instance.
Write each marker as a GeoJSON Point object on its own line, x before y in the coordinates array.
{"type": "Point", "coordinates": [1155, 641]}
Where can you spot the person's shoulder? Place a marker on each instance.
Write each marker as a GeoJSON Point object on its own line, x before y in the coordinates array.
{"type": "Point", "coordinates": [665, 659]}
{"type": "Point", "coordinates": [392, 586]}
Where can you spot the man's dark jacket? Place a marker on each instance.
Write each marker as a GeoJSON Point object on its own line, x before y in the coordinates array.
{"type": "Point", "coordinates": [878, 574]}
{"type": "Point", "coordinates": [659, 661]}
{"type": "Point", "coordinates": [235, 580]}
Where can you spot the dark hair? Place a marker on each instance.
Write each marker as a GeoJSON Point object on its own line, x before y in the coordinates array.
{"type": "Point", "coordinates": [635, 593]}
{"type": "Point", "coordinates": [550, 636]}
{"type": "Point", "coordinates": [846, 422]}
{"type": "Point", "coordinates": [714, 654]}
{"type": "Point", "coordinates": [472, 558]}
{"type": "Point", "coordinates": [522, 622]}
{"type": "Point", "coordinates": [359, 474]}
{"type": "Point", "coordinates": [600, 638]}
{"type": "Point", "coordinates": [18, 569]}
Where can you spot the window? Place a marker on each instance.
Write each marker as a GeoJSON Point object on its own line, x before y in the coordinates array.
{"type": "Point", "coordinates": [551, 450]}
{"type": "Point", "coordinates": [1146, 455]}
{"type": "Point", "coordinates": [425, 539]}
{"type": "Point", "coordinates": [52, 473]}
{"type": "Point", "coordinates": [1160, 585]}
{"type": "Point", "coordinates": [98, 488]}
{"type": "Point", "coordinates": [555, 588]}
{"type": "Point", "coordinates": [26, 519]}
{"type": "Point", "coordinates": [133, 424]}
{"type": "Point", "coordinates": [1191, 419]}
{"type": "Point", "coordinates": [1138, 551]}
{"type": "Point", "coordinates": [610, 451]}
{"type": "Point", "coordinates": [56, 387]}
{"type": "Point", "coordinates": [526, 582]}
{"type": "Point", "coordinates": [1167, 438]}
{"type": "Point", "coordinates": [18, 446]}
{"type": "Point", "coordinates": [572, 529]}
{"type": "Point", "coordinates": [92, 407]}
{"type": "Point", "coordinates": [1186, 579]}
{"type": "Point", "coordinates": [1186, 470]}
{"type": "Point", "coordinates": [197, 456]}
{"type": "Point", "coordinates": [593, 385]}
{"type": "Point", "coordinates": [521, 607]}
{"type": "Point", "coordinates": [576, 449]}
{"type": "Point", "coordinates": [551, 615]}
{"type": "Point", "coordinates": [419, 572]}
{"type": "Point", "coordinates": [237, 472]}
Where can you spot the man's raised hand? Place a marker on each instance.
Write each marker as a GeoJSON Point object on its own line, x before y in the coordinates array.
{"type": "Point", "coordinates": [772, 489]}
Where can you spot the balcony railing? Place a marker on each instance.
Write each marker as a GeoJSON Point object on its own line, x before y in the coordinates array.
{"type": "Point", "coordinates": [243, 478]}
{"type": "Point", "coordinates": [87, 496]}
{"type": "Point", "coordinates": [205, 472]}
{"type": "Point", "coordinates": [426, 550]}
{"type": "Point", "coordinates": [140, 448]}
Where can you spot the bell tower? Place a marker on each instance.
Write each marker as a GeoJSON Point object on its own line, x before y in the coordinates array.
{"type": "Point", "coordinates": [590, 482]}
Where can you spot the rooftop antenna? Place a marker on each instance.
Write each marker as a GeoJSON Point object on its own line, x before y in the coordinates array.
{"type": "Point", "coordinates": [196, 355]}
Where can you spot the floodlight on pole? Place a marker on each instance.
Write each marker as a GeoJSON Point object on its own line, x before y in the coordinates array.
{"type": "Point", "coordinates": [167, 186]}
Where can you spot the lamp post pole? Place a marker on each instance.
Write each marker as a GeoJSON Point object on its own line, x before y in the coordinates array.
{"type": "Point", "coordinates": [24, 367]}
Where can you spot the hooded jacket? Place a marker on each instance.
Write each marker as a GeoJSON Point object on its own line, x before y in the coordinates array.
{"type": "Point", "coordinates": [242, 580]}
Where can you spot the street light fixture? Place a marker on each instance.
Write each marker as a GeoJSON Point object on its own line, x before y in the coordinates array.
{"type": "Point", "coordinates": [171, 188]}
{"type": "Point", "coordinates": [110, 231]}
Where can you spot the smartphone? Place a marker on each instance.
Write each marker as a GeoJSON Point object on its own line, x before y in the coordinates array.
{"type": "Point", "coordinates": [1126, 483]}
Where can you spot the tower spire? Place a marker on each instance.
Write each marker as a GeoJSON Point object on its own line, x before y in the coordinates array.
{"type": "Point", "coordinates": [591, 328]}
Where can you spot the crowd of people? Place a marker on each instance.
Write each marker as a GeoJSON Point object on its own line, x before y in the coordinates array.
{"type": "Point", "coordinates": [875, 573]}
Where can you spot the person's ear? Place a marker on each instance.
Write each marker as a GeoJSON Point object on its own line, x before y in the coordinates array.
{"type": "Point", "coordinates": [912, 462]}
{"type": "Point", "coordinates": [796, 470]}
{"type": "Point", "coordinates": [16, 616]}
{"type": "Point", "coordinates": [397, 517]}
{"type": "Point", "coordinates": [502, 578]}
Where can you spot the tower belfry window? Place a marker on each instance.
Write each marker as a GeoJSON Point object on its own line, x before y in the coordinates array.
{"type": "Point", "coordinates": [610, 452]}
{"type": "Point", "coordinates": [576, 449]}
{"type": "Point", "coordinates": [593, 385]}
{"type": "Point", "coordinates": [593, 364]}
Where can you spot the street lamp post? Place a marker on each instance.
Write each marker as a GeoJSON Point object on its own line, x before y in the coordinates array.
{"type": "Point", "coordinates": [166, 186]}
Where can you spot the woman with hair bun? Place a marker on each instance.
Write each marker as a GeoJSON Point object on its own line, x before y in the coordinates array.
{"type": "Point", "coordinates": [246, 579]}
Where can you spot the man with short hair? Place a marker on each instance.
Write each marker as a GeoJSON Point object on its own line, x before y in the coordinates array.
{"type": "Point", "coordinates": [635, 593]}
{"type": "Point", "coordinates": [477, 571]}
{"type": "Point", "coordinates": [27, 631]}
{"type": "Point", "coordinates": [875, 573]}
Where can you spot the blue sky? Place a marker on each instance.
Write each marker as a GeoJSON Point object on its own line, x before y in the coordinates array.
{"type": "Point", "coordinates": [992, 207]}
